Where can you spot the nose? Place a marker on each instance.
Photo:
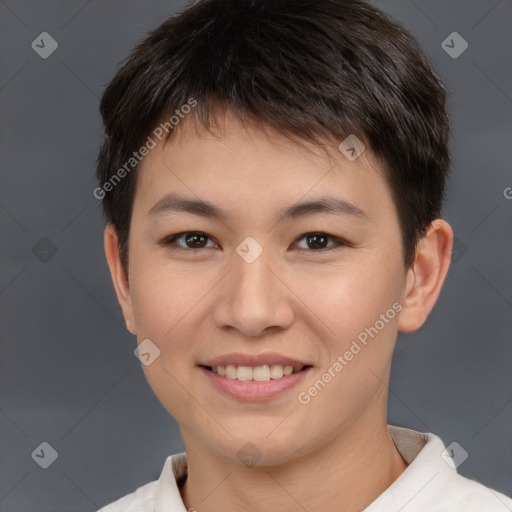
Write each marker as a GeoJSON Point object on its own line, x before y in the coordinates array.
{"type": "Point", "coordinates": [253, 298]}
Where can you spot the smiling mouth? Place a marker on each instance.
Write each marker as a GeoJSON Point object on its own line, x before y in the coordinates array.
{"type": "Point", "coordinates": [255, 373]}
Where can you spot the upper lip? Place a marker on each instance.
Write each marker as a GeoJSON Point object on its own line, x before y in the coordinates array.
{"type": "Point", "coordinates": [238, 359]}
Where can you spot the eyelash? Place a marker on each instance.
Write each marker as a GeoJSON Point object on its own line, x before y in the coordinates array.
{"type": "Point", "coordinates": [170, 241]}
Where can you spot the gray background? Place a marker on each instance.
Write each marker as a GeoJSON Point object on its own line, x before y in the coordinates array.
{"type": "Point", "coordinates": [68, 375]}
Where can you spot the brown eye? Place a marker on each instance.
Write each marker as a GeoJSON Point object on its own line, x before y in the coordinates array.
{"type": "Point", "coordinates": [319, 241]}
{"type": "Point", "coordinates": [196, 241]}
{"type": "Point", "coordinates": [191, 240]}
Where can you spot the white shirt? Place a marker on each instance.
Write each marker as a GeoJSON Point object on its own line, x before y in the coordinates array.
{"type": "Point", "coordinates": [429, 484]}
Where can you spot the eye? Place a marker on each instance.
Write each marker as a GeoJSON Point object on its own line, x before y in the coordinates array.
{"type": "Point", "coordinates": [196, 240]}
{"type": "Point", "coordinates": [192, 239]}
{"type": "Point", "coordinates": [318, 241]}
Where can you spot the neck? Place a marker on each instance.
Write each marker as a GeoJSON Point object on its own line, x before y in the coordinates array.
{"type": "Point", "coordinates": [347, 473]}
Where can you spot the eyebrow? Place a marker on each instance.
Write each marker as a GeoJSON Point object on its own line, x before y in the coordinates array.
{"type": "Point", "coordinates": [174, 203]}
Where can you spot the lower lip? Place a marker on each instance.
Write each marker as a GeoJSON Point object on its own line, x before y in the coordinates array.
{"type": "Point", "coordinates": [252, 390]}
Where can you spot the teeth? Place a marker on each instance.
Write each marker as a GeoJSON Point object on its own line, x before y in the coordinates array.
{"type": "Point", "coordinates": [244, 373]}
{"type": "Point", "coordinates": [230, 371]}
{"type": "Point", "coordinates": [257, 373]}
{"type": "Point", "coordinates": [261, 373]}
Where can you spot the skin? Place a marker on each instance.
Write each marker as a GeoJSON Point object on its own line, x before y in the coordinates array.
{"type": "Point", "coordinates": [335, 452]}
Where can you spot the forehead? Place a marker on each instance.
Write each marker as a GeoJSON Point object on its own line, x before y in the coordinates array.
{"type": "Point", "coordinates": [256, 168]}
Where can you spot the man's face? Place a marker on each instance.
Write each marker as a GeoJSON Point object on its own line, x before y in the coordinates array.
{"type": "Point", "coordinates": [256, 283]}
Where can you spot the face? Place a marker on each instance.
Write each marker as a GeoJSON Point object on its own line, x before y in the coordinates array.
{"type": "Point", "coordinates": [264, 282]}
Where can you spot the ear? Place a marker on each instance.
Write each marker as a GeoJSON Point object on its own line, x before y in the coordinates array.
{"type": "Point", "coordinates": [119, 278]}
{"type": "Point", "coordinates": [426, 275]}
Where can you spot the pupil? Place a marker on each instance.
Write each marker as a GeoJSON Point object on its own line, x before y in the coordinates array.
{"type": "Point", "coordinates": [317, 240]}
{"type": "Point", "coordinates": [195, 237]}
{"type": "Point", "coordinates": [317, 236]}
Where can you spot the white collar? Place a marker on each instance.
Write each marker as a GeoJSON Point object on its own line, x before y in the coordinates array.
{"type": "Point", "coordinates": [422, 451]}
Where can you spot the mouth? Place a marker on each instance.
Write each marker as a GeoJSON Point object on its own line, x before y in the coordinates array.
{"type": "Point", "coordinates": [254, 383]}
{"type": "Point", "coordinates": [254, 377]}
{"type": "Point", "coordinates": [262, 373]}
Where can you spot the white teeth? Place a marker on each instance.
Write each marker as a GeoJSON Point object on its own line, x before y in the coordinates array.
{"type": "Point", "coordinates": [261, 373]}
{"type": "Point", "coordinates": [230, 371]}
{"type": "Point", "coordinates": [257, 373]}
{"type": "Point", "coordinates": [244, 373]}
{"type": "Point", "coordinates": [276, 371]}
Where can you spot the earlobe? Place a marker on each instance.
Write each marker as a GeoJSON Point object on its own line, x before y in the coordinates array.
{"type": "Point", "coordinates": [426, 276]}
{"type": "Point", "coordinates": [119, 278]}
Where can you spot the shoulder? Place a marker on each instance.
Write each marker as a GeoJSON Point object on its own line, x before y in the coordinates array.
{"type": "Point", "coordinates": [431, 481]}
{"type": "Point", "coordinates": [467, 495]}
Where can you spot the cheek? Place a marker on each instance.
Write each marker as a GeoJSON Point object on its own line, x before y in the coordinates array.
{"type": "Point", "coordinates": [360, 340]}
{"type": "Point", "coordinates": [359, 345]}
{"type": "Point", "coordinates": [162, 296]}
{"type": "Point", "coordinates": [164, 302]}
{"type": "Point", "coordinates": [348, 300]}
